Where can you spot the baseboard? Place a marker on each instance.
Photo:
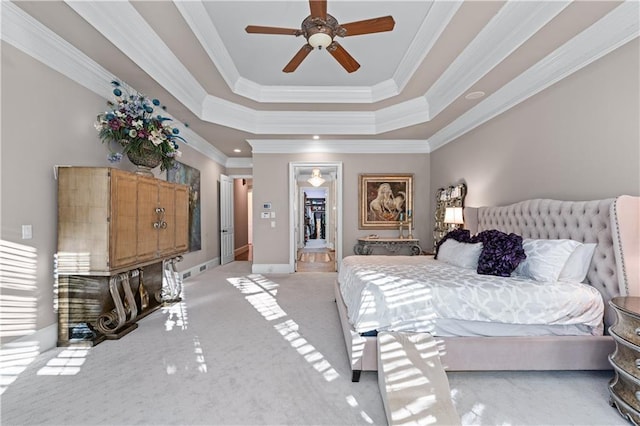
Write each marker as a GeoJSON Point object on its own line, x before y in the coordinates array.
{"type": "Point", "coordinates": [200, 268]}
{"type": "Point", "coordinates": [40, 341]}
{"type": "Point", "coordinates": [241, 250]}
{"type": "Point", "coordinates": [271, 269]}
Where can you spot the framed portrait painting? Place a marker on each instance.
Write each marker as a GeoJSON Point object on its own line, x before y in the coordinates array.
{"type": "Point", "coordinates": [384, 200]}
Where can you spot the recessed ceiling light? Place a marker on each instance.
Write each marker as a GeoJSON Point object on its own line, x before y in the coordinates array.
{"type": "Point", "coordinates": [474, 95]}
{"type": "Point", "coordinates": [316, 137]}
{"type": "Point", "coordinates": [237, 150]}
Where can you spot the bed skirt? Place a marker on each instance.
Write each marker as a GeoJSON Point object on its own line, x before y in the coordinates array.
{"type": "Point", "coordinates": [490, 353]}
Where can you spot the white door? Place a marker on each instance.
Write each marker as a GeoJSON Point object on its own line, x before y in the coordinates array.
{"type": "Point", "coordinates": [226, 220]}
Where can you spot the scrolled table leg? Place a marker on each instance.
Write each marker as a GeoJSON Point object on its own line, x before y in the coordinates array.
{"type": "Point", "coordinates": [130, 301]}
{"type": "Point", "coordinates": [112, 321]}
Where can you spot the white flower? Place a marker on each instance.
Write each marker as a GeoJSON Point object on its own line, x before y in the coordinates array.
{"type": "Point", "coordinates": [133, 133]}
{"type": "Point", "coordinates": [156, 137]}
{"type": "Point", "coordinates": [138, 124]}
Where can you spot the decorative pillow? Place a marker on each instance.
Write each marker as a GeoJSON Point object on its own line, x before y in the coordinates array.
{"type": "Point", "coordinates": [545, 258]}
{"type": "Point", "coordinates": [501, 253]}
{"type": "Point", "coordinates": [464, 255]}
{"type": "Point", "coordinates": [577, 265]}
{"type": "Point", "coordinates": [461, 235]}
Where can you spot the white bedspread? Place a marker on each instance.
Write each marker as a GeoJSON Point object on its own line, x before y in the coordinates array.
{"type": "Point", "coordinates": [399, 293]}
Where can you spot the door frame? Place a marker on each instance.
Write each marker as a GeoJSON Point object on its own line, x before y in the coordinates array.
{"type": "Point", "coordinates": [294, 208]}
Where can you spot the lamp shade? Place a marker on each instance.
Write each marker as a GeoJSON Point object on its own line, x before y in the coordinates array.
{"type": "Point", "coordinates": [453, 215]}
{"type": "Point", "coordinates": [316, 178]}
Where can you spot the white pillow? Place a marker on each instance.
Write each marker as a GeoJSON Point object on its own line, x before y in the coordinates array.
{"type": "Point", "coordinates": [577, 265]}
{"type": "Point", "coordinates": [464, 255]}
{"type": "Point", "coordinates": [545, 258]}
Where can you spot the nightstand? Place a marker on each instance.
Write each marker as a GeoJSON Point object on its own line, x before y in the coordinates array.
{"type": "Point", "coordinates": [624, 388]}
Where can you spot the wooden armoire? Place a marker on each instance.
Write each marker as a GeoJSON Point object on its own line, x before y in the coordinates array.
{"type": "Point", "coordinates": [115, 229]}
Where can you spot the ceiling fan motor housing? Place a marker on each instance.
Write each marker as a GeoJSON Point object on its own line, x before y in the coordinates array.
{"type": "Point", "coordinates": [320, 32]}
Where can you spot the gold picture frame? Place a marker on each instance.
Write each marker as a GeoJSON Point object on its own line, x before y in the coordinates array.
{"type": "Point", "coordinates": [384, 200]}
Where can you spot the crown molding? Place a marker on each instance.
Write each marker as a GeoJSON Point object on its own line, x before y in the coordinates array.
{"type": "Point", "coordinates": [404, 114]}
{"type": "Point", "coordinates": [239, 163]}
{"type": "Point", "coordinates": [27, 34]}
{"type": "Point", "coordinates": [34, 39]}
{"type": "Point", "coordinates": [300, 94]}
{"type": "Point", "coordinates": [617, 28]}
{"type": "Point", "coordinates": [337, 146]}
{"type": "Point", "coordinates": [201, 145]}
{"type": "Point", "coordinates": [438, 17]}
{"type": "Point", "coordinates": [121, 24]}
{"type": "Point", "coordinates": [515, 23]}
{"type": "Point", "coordinates": [197, 18]}
{"type": "Point", "coordinates": [314, 122]}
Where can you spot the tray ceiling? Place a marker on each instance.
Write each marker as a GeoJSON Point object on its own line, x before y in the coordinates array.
{"type": "Point", "coordinates": [409, 94]}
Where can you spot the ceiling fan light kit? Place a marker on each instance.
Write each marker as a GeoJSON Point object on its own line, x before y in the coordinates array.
{"type": "Point", "coordinates": [320, 30]}
{"type": "Point", "coordinates": [320, 40]}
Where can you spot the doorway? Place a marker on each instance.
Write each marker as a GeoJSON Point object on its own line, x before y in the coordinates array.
{"type": "Point", "coordinates": [243, 224]}
{"type": "Point", "coordinates": [317, 253]}
{"type": "Point", "coordinates": [316, 215]}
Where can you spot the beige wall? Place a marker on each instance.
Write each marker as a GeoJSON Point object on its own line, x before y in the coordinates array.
{"type": "Point", "coordinates": [47, 120]}
{"type": "Point", "coordinates": [271, 184]}
{"type": "Point", "coordinates": [209, 207]}
{"type": "Point", "coordinates": [578, 140]}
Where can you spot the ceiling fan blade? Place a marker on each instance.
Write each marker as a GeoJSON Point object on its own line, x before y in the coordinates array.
{"type": "Point", "coordinates": [298, 58]}
{"type": "Point", "coordinates": [318, 8]}
{"type": "Point", "coordinates": [343, 57]}
{"type": "Point", "coordinates": [368, 26]}
{"type": "Point", "coordinates": [256, 29]}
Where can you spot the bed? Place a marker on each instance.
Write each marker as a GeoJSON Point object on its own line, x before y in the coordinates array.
{"type": "Point", "coordinates": [574, 339]}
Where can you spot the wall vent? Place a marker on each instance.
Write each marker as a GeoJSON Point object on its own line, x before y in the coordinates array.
{"type": "Point", "coordinates": [203, 267]}
{"type": "Point", "coordinates": [186, 275]}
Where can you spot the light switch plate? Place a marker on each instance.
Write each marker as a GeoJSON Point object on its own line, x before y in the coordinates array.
{"type": "Point", "coordinates": [27, 232]}
{"type": "Point", "coordinates": [264, 215]}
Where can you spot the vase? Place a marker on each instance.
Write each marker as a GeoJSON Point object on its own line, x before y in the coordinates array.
{"type": "Point", "coordinates": [146, 158]}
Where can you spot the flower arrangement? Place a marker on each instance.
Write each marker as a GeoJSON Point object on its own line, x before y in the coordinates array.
{"type": "Point", "coordinates": [131, 123]}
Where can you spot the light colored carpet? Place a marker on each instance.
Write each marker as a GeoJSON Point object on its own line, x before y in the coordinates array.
{"type": "Point", "coordinates": [246, 349]}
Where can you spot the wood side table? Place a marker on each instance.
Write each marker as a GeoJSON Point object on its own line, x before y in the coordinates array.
{"type": "Point", "coordinates": [624, 388]}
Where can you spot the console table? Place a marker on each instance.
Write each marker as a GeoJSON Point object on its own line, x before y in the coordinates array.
{"type": "Point", "coordinates": [366, 245]}
{"type": "Point", "coordinates": [624, 388]}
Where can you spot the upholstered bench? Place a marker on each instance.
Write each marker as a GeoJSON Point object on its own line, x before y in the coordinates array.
{"type": "Point", "coordinates": [413, 384]}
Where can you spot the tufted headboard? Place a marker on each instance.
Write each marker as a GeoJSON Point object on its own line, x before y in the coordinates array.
{"type": "Point", "coordinates": [584, 221]}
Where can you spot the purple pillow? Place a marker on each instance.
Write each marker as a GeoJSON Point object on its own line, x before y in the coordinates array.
{"type": "Point", "coordinates": [501, 253]}
{"type": "Point", "coordinates": [460, 235]}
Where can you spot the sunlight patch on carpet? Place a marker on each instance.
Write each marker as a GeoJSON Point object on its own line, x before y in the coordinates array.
{"type": "Point", "coordinates": [261, 295]}
{"type": "Point", "coordinates": [67, 363]}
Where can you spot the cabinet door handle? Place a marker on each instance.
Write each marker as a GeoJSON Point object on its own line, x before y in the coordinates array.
{"type": "Point", "coordinates": [163, 224]}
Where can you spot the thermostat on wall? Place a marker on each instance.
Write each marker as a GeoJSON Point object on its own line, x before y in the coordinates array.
{"type": "Point", "coordinates": [266, 206]}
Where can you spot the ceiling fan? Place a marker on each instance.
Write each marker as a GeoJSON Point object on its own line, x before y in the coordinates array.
{"type": "Point", "coordinates": [320, 30]}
